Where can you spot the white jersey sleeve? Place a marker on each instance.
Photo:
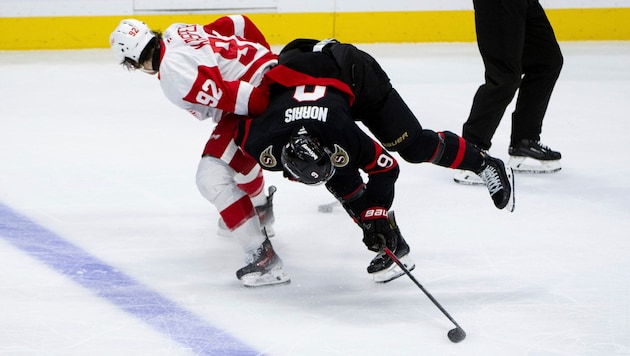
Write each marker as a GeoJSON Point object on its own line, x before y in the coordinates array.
{"type": "Point", "coordinates": [211, 73]}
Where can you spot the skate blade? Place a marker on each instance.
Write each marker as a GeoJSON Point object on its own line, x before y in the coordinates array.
{"type": "Point", "coordinates": [529, 165]}
{"type": "Point", "coordinates": [467, 178]}
{"type": "Point", "coordinates": [512, 202]}
{"type": "Point", "coordinates": [394, 271]}
{"type": "Point", "coordinates": [274, 277]}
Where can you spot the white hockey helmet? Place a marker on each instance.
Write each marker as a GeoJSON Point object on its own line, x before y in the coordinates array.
{"type": "Point", "coordinates": [129, 39]}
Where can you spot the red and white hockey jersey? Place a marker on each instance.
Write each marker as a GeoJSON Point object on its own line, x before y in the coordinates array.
{"type": "Point", "coordinates": [212, 69]}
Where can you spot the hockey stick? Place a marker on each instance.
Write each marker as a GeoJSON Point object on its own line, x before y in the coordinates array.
{"type": "Point", "coordinates": [455, 335]}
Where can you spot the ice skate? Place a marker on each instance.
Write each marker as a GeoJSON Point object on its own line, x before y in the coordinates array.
{"type": "Point", "coordinates": [499, 180]}
{"type": "Point", "coordinates": [264, 268]}
{"type": "Point", "coordinates": [467, 177]}
{"type": "Point", "coordinates": [382, 268]}
{"type": "Point", "coordinates": [265, 215]}
{"type": "Point", "coordinates": [530, 156]}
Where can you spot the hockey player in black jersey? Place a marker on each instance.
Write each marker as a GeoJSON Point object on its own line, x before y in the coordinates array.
{"type": "Point", "coordinates": [317, 92]}
{"type": "Point", "coordinates": [381, 109]}
{"type": "Point", "coordinates": [316, 141]}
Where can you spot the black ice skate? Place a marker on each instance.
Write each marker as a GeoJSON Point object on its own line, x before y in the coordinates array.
{"type": "Point", "coordinates": [382, 267]}
{"type": "Point", "coordinates": [265, 215]}
{"type": "Point", "coordinates": [499, 180]}
{"type": "Point", "coordinates": [465, 177]}
{"type": "Point", "coordinates": [530, 156]}
{"type": "Point", "coordinates": [264, 268]}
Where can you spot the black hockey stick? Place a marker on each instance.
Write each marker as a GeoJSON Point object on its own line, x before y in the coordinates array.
{"type": "Point", "coordinates": [455, 335]}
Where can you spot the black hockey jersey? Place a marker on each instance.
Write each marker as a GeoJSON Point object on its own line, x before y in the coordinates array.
{"type": "Point", "coordinates": [323, 109]}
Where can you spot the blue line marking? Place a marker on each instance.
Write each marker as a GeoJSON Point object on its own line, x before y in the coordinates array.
{"type": "Point", "coordinates": [127, 294]}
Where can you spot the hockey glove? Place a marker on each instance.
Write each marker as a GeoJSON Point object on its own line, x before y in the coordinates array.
{"type": "Point", "coordinates": [377, 231]}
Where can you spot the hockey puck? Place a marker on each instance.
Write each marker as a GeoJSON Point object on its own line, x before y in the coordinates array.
{"type": "Point", "coordinates": [456, 335]}
{"type": "Point", "coordinates": [326, 208]}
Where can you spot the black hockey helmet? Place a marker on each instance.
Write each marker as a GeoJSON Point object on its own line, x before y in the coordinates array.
{"type": "Point", "coordinates": [306, 160]}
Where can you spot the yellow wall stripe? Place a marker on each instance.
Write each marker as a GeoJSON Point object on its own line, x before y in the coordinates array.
{"type": "Point", "coordinates": [591, 24]}
{"type": "Point", "coordinates": [425, 26]}
{"type": "Point", "coordinates": [365, 27]}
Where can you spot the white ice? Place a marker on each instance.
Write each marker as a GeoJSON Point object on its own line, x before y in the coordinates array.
{"type": "Point", "coordinates": [98, 156]}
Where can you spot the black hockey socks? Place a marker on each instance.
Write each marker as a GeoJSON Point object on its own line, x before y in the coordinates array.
{"type": "Point", "coordinates": [444, 149]}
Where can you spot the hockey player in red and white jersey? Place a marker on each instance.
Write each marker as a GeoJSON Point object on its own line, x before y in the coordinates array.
{"type": "Point", "coordinates": [212, 71]}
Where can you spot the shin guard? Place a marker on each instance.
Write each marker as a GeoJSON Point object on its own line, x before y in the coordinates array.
{"type": "Point", "coordinates": [444, 149]}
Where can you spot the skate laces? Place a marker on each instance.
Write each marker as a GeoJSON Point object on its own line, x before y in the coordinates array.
{"type": "Point", "coordinates": [492, 179]}
{"type": "Point", "coordinates": [541, 146]}
{"type": "Point", "coordinates": [259, 254]}
{"type": "Point", "coordinates": [253, 257]}
{"type": "Point", "coordinates": [536, 145]}
{"type": "Point", "coordinates": [544, 148]}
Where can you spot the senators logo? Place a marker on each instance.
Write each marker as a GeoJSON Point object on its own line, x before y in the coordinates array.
{"type": "Point", "coordinates": [267, 159]}
{"type": "Point", "coordinates": [340, 157]}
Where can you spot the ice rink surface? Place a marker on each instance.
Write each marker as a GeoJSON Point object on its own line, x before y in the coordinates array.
{"type": "Point", "coordinates": [107, 248]}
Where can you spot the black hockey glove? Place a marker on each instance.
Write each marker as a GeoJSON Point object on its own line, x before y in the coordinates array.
{"type": "Point", "coordinates": [377, 231]}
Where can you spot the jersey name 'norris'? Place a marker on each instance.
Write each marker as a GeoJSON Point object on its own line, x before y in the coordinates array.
{"type": "Point", "coordinates": [318, 113]}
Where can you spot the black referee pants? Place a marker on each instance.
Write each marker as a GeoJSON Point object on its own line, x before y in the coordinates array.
{"type": "Point", "coordinates": [519, 52]}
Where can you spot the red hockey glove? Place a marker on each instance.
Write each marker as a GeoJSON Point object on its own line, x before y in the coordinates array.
{"type": "Point", "coordinates": [377, 231]}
